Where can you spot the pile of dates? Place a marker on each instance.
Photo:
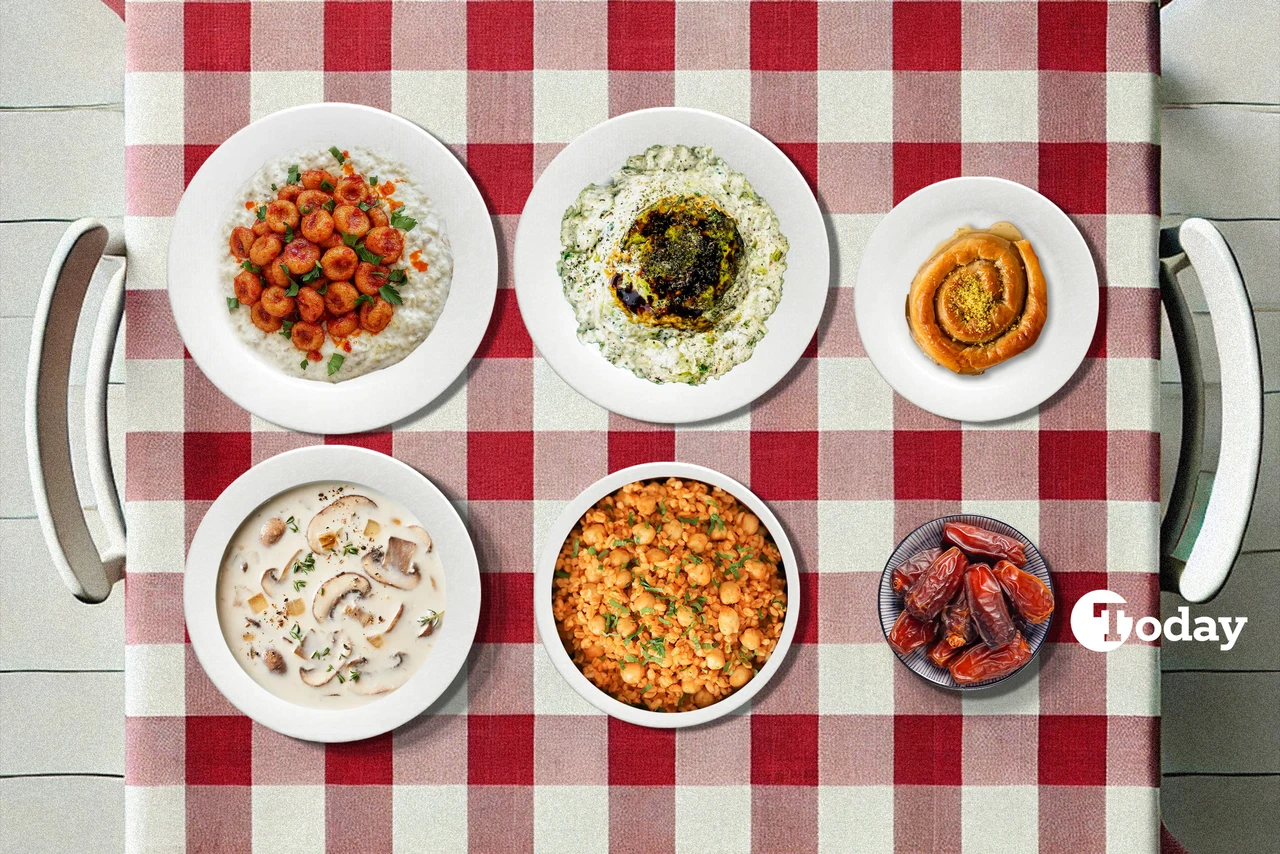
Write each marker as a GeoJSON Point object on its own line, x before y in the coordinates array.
{"type": "Point", "coordinates": [972, 614]}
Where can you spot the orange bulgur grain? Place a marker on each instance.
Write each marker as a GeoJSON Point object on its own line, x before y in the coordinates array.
{"type": "Point", "coordinates": [668, 595]}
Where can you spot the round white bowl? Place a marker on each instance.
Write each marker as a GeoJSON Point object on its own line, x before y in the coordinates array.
{"type": "Point", "coordinates": [545, 573]}
{"type": "Point", "coordinates": [197, 290]}
{"type": "Point", "coordinates": [378, 472]}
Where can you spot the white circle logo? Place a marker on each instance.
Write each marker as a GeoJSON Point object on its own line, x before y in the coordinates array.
{"type": "Point", "coordinates": [1091, 620]}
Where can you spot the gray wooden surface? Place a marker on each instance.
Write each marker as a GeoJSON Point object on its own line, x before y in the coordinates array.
{"type": "Point", "coordinates": [61, 684]}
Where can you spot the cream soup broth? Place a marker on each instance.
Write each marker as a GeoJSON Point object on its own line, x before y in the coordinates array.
{"type": "Point", "coordinates": [331, 595]}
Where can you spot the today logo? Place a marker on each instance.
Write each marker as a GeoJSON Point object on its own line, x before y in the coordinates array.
{"type": "Point", "coordinates": [1101, 626]}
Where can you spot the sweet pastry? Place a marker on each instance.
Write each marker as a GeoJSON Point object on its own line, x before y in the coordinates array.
{"type": "Point", "coordinates": [980, 299]}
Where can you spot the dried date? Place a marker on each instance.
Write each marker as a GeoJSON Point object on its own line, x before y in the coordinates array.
{"type": "Point", "coordinates": [936, 587]}
{"type": "Point", "coordinates": [980, 663]}
{"type": "Point", "coordinates": [909, 634]}
{"type": "Point", "coordinates": [957, 622]}
{"type": "Point", "coordinates": [1029, 595]}
{"type": "Point", "coordinates": [986, 601]}
{"type": "Point", "coordinates": [906, 573]}
{"type": "Point", "coordinates": [980, 541]}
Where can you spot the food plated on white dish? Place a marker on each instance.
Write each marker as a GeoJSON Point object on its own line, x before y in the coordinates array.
{"type": "Point", "coordinates": [671, 264]}
{"type": "Point", "coordinates": [976, 299]}
{"type": "Point", "coordinates": [352, 269]}
{"type": "Point", "coordinates": [331, 593]}
{"type": "Point", "coordinates": [667, 594]}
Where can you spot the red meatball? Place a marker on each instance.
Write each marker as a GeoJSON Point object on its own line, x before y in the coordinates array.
{"type": "Point", "coordinates": [339, 263]}
{"type": "Point", "coordinates": [241, 242]}
{"type": "Point", "coordinates": [300, 256]}
{"type": "Point", "coordinates": [385, 241]}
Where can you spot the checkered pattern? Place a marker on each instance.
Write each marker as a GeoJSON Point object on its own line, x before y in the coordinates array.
{"type": "Point", "coordinates": [846, 751]}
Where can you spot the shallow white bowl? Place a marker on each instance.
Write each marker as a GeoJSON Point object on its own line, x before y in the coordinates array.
{"type": "Point", "coordinates": [906, 238]}
{"type": "Point", "coordinates": [198, 294]}
{"type": "Point", "coordinates": [361, 467]}
{"type": "Point", "coordinates": [545, 573]}
{"type": "Point", "coordinates": [592, 159]}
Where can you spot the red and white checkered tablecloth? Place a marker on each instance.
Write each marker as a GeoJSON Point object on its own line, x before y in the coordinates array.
{"type": "Point", "coordinates": [846, 751]}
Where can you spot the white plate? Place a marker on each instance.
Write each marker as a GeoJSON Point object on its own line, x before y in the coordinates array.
{"type": "Point", "coordinates": [592, 159]}
{"type": "Point", "coordinates": [360, 467]}
{"type": "Point", "coordinates": [198, 294]}
{"type": "Point", "coordinates": [545, 573]}
{"type": "Point", "coordinates": [906, 238]}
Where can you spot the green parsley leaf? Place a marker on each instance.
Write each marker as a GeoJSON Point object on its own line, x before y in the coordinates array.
{"type": "Point", "coordinates": [274, 187]}
{"type": "Point", "coordinates": [560, 573]}
{"type": "Point", "coordinates": [349, 239]}
{"type": "Point", "coordinates": [262, 213]}
{"type": "Point", "coordinates": [366, 255]}
{"type": "Point", "coordinates": [250, 266]}
{"type": "Point", "coordinates": [575, 547]}
{"type": "Point", "coordinates": [373, 182]}
{"type": "Point", "coordinates": [326, 186]}
{"type": "Point", "coordinates": [286, 328]}
{"type": "Point", "coordinates": [364, 206]}
{"type": "Point", "coordinates": [232, 304]}
{"type": "Point", "coordinates": [338, 155]}
{"type": "Point", "coordinates": [328, 205]}
{"type": "Point", "coordinates": [335, 362]}
{"type": "Point", "coordinates": [362, 299]}
{"type": "Point", "coordinates": [399, 220]}
{"type": "Point", "coordinates": [389, 293]}
{"type": "Point", "coordinates": [312, 274]}
{"type": "Point", "coordinates": [396, 276]}
{"type": "Point", "coordinates": [294, 175]}
{"type": "Point", "coordinates": [288, 233]}
{"type": "Point", "coordinates": [323, 289]}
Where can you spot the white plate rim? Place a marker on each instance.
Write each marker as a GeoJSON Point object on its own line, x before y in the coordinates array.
{"type": "Point", "coordinates": [1056, 356]}
{"type": "Point", "coordinates": [386, 395]}
{"type": "Point", "coordinates": [362, 467]}
{"type": "Point", "coordinates": [591, 159]}
{"type": "Point", "coordinates": [544, 574]}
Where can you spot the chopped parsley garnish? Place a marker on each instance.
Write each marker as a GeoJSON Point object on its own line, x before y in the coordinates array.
{"type": "Point", "coordinates": [575, 547]}
{"type": "Point", "coordinates": [715, 522]}
{"type": "Point", "coordinates": [399, 220]}
{"type": "Point", "coordinates": [338, 155]}
{"type": "Point", "coordinates": [292, 524]}
{"type": "Point", "coordinates": [262, 213]}
{"type": "Point", "coordinates": [373, 182]}
{"type": "Point", "coordinates": [288, 233]}
{"type": "Point", "coordinates": [326, 186]}
{"type": "Point", "coordinates": [349, 239]}
{"type": "Point", "coordinates": [303, 364]}
{"type": "Point", "coordinates": [396, 276]}
{"type": "Point", "coordinates": [389, 293]}
{"type": "Point", "coordinates": [366, 255]}
{"type": "Point", "coordinates": [232, 303]}
{"type": "Point", "coordinates": [560, 573]}
{"type": "Point", "coordinates": [320, 653]}
{"type": "Point", "coordinates": [350, 549]}
{"type": "Point", "coordinates": [312, 274]}
{"type": "Point", "coordinates": [250, 266]}
{"type": "Point", "coordinates": [364, 206]}
{"type": "Point", "coordinates": [690, 520]}
{"type": "Point", "coordinates": [362, 299]}
{"type": "Point", "coordinates": [286, 328]}
{"type": "Point", "coordinates": [294, 175]}
{"type": "Point", "coordinates": [335, 362]}
{"type": "Point", "coordinates": [329, 204]}
{"type": "Point", "coordinates": [662, 508]}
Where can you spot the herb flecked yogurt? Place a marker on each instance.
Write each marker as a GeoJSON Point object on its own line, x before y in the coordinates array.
{"type": "Point", "coordinates": [673, 267]}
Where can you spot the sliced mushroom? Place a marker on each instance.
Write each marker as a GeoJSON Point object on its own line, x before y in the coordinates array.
{"type": "Point", "coordinates": [375, 638]}
{"type": "Point", "coordinates": [272, 531]}
{"type": "Point", "coordinates": [274, 661]}
{"type": "Point", "coordinates": [429, 623]}
{"type": "Point", "coordinates": [394, 566]}
{"type": "Point", "coordinates": [422, 535]}
{"type": "Point", "coordinates": [360, 615]}
{"type": "Point", "coordinates": [387, 679]}
{"type": "Point", "coordinates": [328, 667]}
{"type": "Point", "coordinates": [322, 532]}
{"type": "Point", "coordinates": [334, 589]}
{"type": "Point", "coordinates": [272, 577]}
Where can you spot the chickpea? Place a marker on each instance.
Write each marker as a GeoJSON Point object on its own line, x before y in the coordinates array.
{"type": "Point", "coordinates": [749, 524]}
{"type": "Point", "coordinates": [715, 659]}
{"type": "Point", "coordinates": [741, 676]}
{"type": "Point", "coordinates": [276, 303]}
{"type": "Point", "coordinates": [619, 557]}
{"type": "Point", "coordinates": [697, 542]}
{"type": "Point", "coordinates": [730, 592]}
{"type": "Point", "coordinates": [260, 228]}
{"type": "Point", "coordinates": [266, 322]}
{"type": "Point", "coordinates": [751, 639]}
{"type": "Point", "coordinates": [690, 684]}
{"type": "Point", "coordinates": [248, 287]}
{"type": "Point", "coordinates": [265, 249]}
{"type": "Point", "coordinates": [673, 529]}
{"type": "Point", "coordinates": [684, 617]}
{"type": "Point", "coordinates": [310, 201]}
{"type": "Point", "coordinates": [703, 698]}
{"type": "Point", "coordinates": [282, 215]}
{"type": "Point", "coordinates": [728, 621]}
{"type": "Point", "coordinates": [374, 316]}
{"type": "Point", "coordinates": [643, 533]}
{"type": "Point", "coordinates": [300, 256]}
{"type": "Point", "coordinates": [622, 578]}
{"type": "Point", "coordinates": [313, 178]}
{"type": "Point", "coordinates": [646, 503]}
{"type": "Point", "coordinates": [307, 336]}
{"type": "Point", "coordinates": [317, 226]}
{"type": "Point", "coordinates": [310, 305]}
{"type": "Point", "coordinates": [656, 555]}
{"type": "Point", "coordinates": [643, 600]}
{"type": "Point", "coordinates": [593, 573]}
{"type": "Point", "coordinates": [596, 624]}
{"type": "Point", "coordinates": [289, 193]}
{"type": "Point", "coordinates": [593, 535]}
{"type": "Point", "coordinates": [351, 190]}
{"type": "Point", "coordinates": [632, 673]}
{"type": "Point", "coordinates": [340, 298]}
{"type": "Point", "coordinates": [592, 651]}
{"type": "Point", "coordinates": [385, 241]}
{"type": "Point", "coordinates": [626, 626]}
{"type": "Point", "coordinates": [277, 274]}
{"type": "Point", "coordinates": [342, 327]}
{"type": "Point", "coordinates": [339, 264]}
{"type": "Point", "coordinates": [241, 242]}
{"type": "Point", "coordinates": [378, 217]}
{"type": "Point", "coordinates": [349, 219]}
{"type": "Point", "coordinates": [699, 573]}
{"type": "Point", "coordinates": [757, 569]}
{"type": "Point", "coordinates": [370, 278]}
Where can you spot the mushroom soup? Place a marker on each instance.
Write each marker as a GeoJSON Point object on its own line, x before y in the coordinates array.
{"type": "Point", "coordinates": [330, 595]}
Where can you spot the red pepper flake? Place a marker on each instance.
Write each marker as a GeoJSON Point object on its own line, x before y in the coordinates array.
{"type": "Point", "coordinates": [249, 206]}
{"type": "Point", "coordinates": [313, 355]}
{"type": "Point", "coordinates": [346, 345]}
{"type": "Point", "coordinates": [415, 258]}
{"type": "Point", "coordinates": [387, 189]}
{"type": "Point", "coordinates": [347, 168]}
{"type": "Point", "coordinates": [395, 205]}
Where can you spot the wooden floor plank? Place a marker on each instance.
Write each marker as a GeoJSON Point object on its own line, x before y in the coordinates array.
{"type": "Point", "coordinates": [1251, 591]}
{"type": "Point", "coordinates": [46, 39]}
{"type": "Point", "coordinates": [15, 497]}
{"type": "Point", "coordinates": [1220, 162]}
{"type": "Point", "coordinates": [25, 248]}
{"type": "Point", "coordinates": [86, 165]}
{"type": "Point", "coordinates": [1222, 815]}
{"type": "Point", "coordinates": [69, 635]}
{"type": "Point", "coordinates": [1256, 245]}
{"type": "Point", "coordinates": [61, 815]}
{"type": "Point", "coordinates": [61, 723]}
{"type": "Point", "coordinates": [1220, 723]}
{"type": "Point", "coordinates": [1220, 50]}
{"type": "Point", "coordinates": [1263, 533]}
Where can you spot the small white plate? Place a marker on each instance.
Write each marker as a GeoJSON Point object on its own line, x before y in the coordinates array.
{"type": "Point", "coordinates": [361, 467]}
{"type": "Point", "coordinates": [906, 238]}
{"type": "Point", "coordinates": [198, 294]}
{"type": "Point", "coordinates": [545, 573]}
{"type": "Point", "coordinates": [592, 159]}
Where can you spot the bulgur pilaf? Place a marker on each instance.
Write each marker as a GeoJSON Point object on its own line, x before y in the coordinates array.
{"type": "Point", "coordinates": [668, 595]}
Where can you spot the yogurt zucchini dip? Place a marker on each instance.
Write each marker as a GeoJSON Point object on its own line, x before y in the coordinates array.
{"type": "Point", "coordinates": [674, 266]}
